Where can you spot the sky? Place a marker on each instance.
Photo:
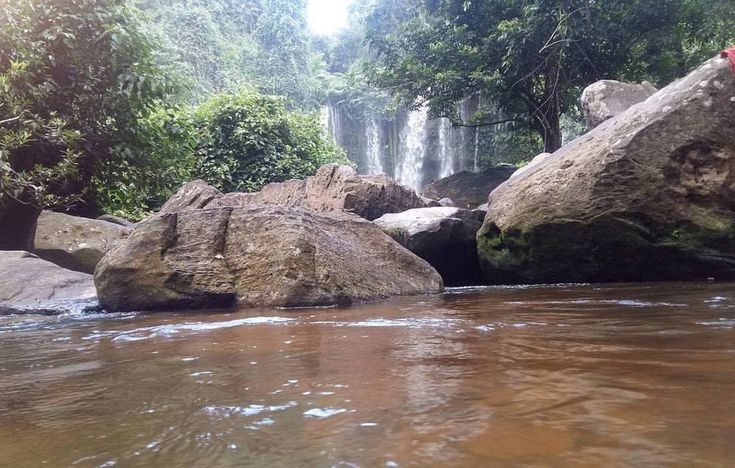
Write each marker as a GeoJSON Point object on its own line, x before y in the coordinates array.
{"type": "Point", "coordinates": [327, 17]}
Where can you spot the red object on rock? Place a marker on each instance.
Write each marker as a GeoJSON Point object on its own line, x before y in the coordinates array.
{"type": "Point", "coordinates": [729, 53]}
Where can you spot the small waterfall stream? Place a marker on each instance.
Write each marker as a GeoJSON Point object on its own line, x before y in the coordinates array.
{"type": "Point", "coordinates": [409, 170]}
{"type": "Point", "coordinates": [446, 155]}
{"type": "Point", "coordinates": [373, 160]}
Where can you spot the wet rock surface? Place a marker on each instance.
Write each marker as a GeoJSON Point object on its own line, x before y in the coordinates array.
{"type": "Point", "coordinates": [647, 195]}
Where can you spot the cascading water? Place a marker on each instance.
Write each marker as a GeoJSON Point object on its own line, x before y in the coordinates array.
{"type": "Point", "coordinates": [475, 161]}
{"type": "Point", "coordinates": [409, 170]}
{"type": "Point", "coordinates": [408, 145]}
{"type": "Point", "coordinates": [373, 154]}
{"type": "Point", "coordinates": [446, 155]}
{"type": "Point", "coordinates": [324, 119]}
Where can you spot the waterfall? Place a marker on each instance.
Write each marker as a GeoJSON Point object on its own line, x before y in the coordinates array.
{"type": "Point", "coordinates": [324, 119]}
{"type": "Point", "coordinates": [373, 160]}
{"type": "Point", "coordinates": [410, 147]}
{"type": "Point", "coordinates": [409, 170]}
{"type": "Point", "coordinates": [446, 153]}
{"type": "Point", "coordinates": [475, 162]}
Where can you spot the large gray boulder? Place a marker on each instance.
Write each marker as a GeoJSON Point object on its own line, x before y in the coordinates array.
{"type": "Point", "coordinates": [607, 98]}
{"type": "Point", "coordinates": [257, 256]}
{"type": "Point", "coordinates": [647, 195]}
{"type": "Point", "coordinates": [73, 242]}
{"type": "Point", "coordinates": [31, 285]}
{"type": "Point", "coordinates": [332, 188]}
{"type": "Point", "coordinates": [468, 189]}
{"type": "Point", "coordinates": [445, 237]}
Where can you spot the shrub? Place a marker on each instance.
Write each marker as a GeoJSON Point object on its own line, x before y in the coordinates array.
{"type": "Point", "coordinates": [248, 140]}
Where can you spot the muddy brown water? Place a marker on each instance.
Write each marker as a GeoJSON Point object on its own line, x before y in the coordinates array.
{"type": "Point", "coordinates": [566, 375]}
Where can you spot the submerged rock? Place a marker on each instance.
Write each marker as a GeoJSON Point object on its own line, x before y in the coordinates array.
{"type": "Point", "coordinates": [445, 237]}
{"type": "Point", "coordinates": [257, 256]}
{"type": "Point", "coordinates": [332, 188]}
{"type": "Point", "coordinates": [607, 98]}
{"type": "Point", "coordinates": [468, 189]}
{"type": "Point", "coordinates": [73, 242]}
{"type": "Point", "coordinates": [647, 195]}
{"type": "Point", "coordinates": [31, 285]}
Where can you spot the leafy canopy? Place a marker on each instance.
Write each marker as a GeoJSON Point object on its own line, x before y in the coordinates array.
{"type": "Point", "coordinates": [532, 57]}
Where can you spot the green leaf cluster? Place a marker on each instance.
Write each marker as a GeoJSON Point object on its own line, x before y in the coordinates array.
{"type": "Point", "coordinates": [247, 140]}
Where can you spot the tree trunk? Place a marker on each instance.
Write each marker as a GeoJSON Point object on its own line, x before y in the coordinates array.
{"type": "Point", "coordinates": [551, 110]}
{"type": "Point", "coordinates": [552, 138]}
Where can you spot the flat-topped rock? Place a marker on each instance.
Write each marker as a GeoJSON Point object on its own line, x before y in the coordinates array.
{"type": "Point", "coordinates": [332, 188]}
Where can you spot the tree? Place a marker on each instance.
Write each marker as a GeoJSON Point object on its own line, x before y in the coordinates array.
{"type": "Point", "coordinates": [284, 52]}
{"type": "Point", "coordinates": [210, 43]}
{"type": "Point", "coordinates": [531, 57]}
{"type": "Point", "coordinates": [76, 79]}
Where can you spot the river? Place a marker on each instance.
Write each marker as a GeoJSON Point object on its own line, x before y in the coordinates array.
{"type": "Point", "coordinates": [564, 375]}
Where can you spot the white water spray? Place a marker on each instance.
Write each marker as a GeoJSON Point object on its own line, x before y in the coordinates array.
{"type": "Point", "coordinates": [410, 168]}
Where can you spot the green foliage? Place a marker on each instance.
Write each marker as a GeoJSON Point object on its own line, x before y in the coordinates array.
{"type": "Point", "coordinates": [224, 45]}
{"type": "Point", "coordinates": [248, 140]}
{"type": "Point", "coordinates": [532, 57]}
{"type": "Point", "coordinates": [209, 43]}
{"type": "Point", "coordinates": [151, 166]}
{"type": "Point", "coordinates": [77, 78]}
{"type": "Point", "coordinates": [22, 177]}
{"type": "Point", "coordinates": [284, 56]}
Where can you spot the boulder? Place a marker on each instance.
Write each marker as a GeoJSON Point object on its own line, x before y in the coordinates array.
{"type": "Point", "coordinates": [191, 196]}
{"type": "Point", "coordinates": [73, 242]}
{"type": "Point", "coordinates": [468, 189]}
{"type": "Point", "coordinates": [607, 98]}
{"type": "Point", "coordinates": [31, 285]}
{"type": "Point", "coordinates": [538, 159]}
{"type": "Point", "coordinates": [332, 188]}
{"type": "Point", "coordinates": [257, 256]}
{"type": "Point", "coordinates": [116, 220]}
{"type": "Point", "coordinates": [445, 237]}
{"type": "Point", "coordinates": [647, 195]}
